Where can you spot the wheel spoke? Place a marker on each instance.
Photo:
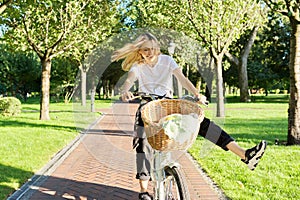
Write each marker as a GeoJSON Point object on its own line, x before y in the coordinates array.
{"type": "Point", "coordinates": [175, 188]}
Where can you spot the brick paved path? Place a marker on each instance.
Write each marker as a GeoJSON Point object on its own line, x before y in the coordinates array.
{"type": "Point", "coordinates": [102, 166]}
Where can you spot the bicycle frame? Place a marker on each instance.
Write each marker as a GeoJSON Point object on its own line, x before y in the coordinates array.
{"type": "Point", "coordinates": [161, 160]}
{"type": "Point", "coordinates": [168, 181]}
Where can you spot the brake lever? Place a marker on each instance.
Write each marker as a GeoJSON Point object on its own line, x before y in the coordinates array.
{"type": "Point", "coordinates": [195, 99]}
{"type": "Point", "coordinates": [205, 103]}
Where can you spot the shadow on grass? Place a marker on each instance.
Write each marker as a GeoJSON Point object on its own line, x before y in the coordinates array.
{"type": "Point", "coordinates": [261, 99]}
{"type": "Point", "coordinates": [9, 173]}
{"type": "Point", "coordinates": [37, 110]}
{"type": "Point", "coordinates": [30, 109]}
{"type": "Point", "coordinates": [15, 123]}
{"type": "Point", "coordinates": [254, 130]}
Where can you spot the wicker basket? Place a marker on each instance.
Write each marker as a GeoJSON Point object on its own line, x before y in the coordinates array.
{"type": "Point", "coordinates": [153, 111]}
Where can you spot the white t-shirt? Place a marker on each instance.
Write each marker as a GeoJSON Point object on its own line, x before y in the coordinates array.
{"type": "Point", "coordinates": [158, 79]}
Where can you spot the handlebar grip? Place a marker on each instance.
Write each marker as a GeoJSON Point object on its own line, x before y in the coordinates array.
{"type": "Point", "coordinates": [195, 99]}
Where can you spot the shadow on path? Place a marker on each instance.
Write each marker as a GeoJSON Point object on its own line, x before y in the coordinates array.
{"type": "Point", "coordinates": [60, 188]}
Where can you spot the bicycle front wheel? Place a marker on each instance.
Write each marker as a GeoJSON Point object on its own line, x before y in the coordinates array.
{"type": "Point", "coordinates": [175, 187]}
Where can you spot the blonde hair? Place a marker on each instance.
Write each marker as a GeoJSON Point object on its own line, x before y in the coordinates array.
{"type": "Point", "coordinates": [131, 53]}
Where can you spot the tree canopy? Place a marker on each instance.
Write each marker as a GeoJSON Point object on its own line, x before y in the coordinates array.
{"type": "Point", "coordinates": [57, 28]}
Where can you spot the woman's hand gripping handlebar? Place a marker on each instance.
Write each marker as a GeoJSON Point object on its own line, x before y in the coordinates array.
{"type": "Point", "coordinates": [202, 100]}
{"type": "Point", "coordinates": [132, 97]}
{"type": "Point", "coordinates": [127, 96]}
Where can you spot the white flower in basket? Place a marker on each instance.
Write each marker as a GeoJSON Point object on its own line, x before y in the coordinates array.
{"type": "Point", "coordinates": [180, 128]}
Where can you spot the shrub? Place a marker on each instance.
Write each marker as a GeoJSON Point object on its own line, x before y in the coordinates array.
{"type": "Point", "coordinates": [10, 106]}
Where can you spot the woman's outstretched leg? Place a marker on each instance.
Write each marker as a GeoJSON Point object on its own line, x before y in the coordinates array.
{"type": "Point", "coordinates": [218, 136]}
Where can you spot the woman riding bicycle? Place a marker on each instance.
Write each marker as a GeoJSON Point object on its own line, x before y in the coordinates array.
{"type": "Point", "coordinates": [153, 71]}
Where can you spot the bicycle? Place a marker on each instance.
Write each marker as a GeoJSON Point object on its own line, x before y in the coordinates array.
{"type": "Point", "coordinates": [169, 182]}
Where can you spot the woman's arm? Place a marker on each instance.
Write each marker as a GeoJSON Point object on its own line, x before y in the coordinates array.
{"type": "Point", "coordinates": [187, 84]}
{"type": "Point", "coordinates": [126, 94]}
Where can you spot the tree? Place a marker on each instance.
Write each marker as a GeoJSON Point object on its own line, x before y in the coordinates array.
{"type": "Point", "coordinates": [64, 71]}
{"type": "Point", "coordinates": [291, 9]}
{"type": "Point", "coordinates": [19, 73]}
{"type": "Point", "coordinates": [216, 24]}
{"type": "Point", "coordinates": [241, 63]}
{"type": "Point", "coordinates": [4, 4]}
{"type": "Point", "coordinates": [271, 54]}
{"type": "Point", "coordinates": [106, 28]}
{"type": "Point", "coordinates": [267, 63]}
{"type": "Point", "coordinates": [110, 78]}
{"type": "Point", "coordinates": [219, 24]}
{"type": "Point", "coordinates": [56, 28]}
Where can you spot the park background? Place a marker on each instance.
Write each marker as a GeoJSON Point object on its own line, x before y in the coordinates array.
{"type": "Point", "coordinates": [252, 46]}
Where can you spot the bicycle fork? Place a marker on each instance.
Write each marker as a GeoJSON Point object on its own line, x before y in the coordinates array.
{"type": "Point", "coordinates": [158, 176]}
{"type": "Point", "coordinates": [160, 161]}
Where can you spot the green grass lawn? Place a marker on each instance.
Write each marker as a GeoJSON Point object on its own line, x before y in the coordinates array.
{"type": "Point", "coordinates": [28, 143]}
{"type": "Point", "coordinates": [278, 173]}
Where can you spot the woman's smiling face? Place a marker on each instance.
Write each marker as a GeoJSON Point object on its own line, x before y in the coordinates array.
{"type": "Point", "coordinates": [149, 51]}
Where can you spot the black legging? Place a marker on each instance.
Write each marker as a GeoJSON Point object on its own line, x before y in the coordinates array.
{"type": "Point", "coordinates": [214, 133]}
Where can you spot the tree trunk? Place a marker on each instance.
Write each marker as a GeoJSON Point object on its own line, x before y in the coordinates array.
{"type": "Point", "coordinates": [4, 6]}
{"type": "Point", "coordinates": [220, 88]}
{"type": "Point", "coordinates": [93, 94]}
{"type": "Point", "coordinates": [45, 96]}
{"type": "Point", "coordinates": [242, 65]}
{"type": "Point", "coordinates": [294, 103]}
{"type": "Point", "coordinates": [243, 75]}
{"type": "Point", "coordinates": [243, 81]}
{"type": "Point", "coordinates": [209, 79]}
{"type": "Point", "coordinates": [207, 75]}
{"type": "Point", "coordinates": [83, 86]}
{"type": "Point", "coordinates": [105, 89]}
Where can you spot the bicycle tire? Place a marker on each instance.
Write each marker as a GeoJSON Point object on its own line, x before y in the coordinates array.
{"type": "Point", "coordinates": [176, 179]}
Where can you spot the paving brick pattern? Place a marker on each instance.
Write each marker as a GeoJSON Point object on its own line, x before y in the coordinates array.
{"type": "Point", "coordinates": [102, 166]}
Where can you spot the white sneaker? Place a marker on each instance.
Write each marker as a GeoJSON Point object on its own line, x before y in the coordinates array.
{"type": "Point", "coordinates": [254, 154]}
{"type": "Point", "coordinates": [145, 196]}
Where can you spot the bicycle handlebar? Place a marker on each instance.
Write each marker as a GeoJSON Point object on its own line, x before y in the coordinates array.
{"type": "Point", "coordinates": [151, 97]}
{"type": "Point", "coordinates": [195, 99]}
